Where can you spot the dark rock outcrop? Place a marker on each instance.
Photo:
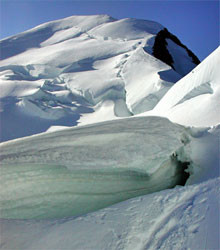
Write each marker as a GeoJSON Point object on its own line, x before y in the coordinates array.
{"type": "Point", "coordinates": [161, 52]}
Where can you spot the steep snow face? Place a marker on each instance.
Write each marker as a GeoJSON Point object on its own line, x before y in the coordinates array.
{"type": "Point", "coordinates": [81, 70]}
{"type": "Point", "coordinates": [79, 170]}
{"type": "Point", "coordinates": [194, 100]}
{"type": "Point", "coordinates": [159, 79]}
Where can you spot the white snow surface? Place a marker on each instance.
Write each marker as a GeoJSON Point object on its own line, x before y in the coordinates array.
{"type": "Point", "coordinates": [80, 70]}
{"type": "Point", "coordinates": [106, 185]}
{"type": "Point", "coordinates": [194, 100]}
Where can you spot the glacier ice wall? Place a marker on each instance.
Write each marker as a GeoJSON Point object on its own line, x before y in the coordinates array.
{"type": "Point", "coordinates": [79, 170]}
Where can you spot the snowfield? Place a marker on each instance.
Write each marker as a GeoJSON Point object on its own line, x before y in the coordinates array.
{"type": "Point", "coordinates": [138, 167]}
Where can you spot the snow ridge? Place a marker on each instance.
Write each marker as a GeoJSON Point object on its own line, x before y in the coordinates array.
{"type": "Point", "coordinates": [193, 100]}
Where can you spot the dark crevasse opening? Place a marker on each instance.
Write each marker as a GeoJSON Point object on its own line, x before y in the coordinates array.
{"type": "Point", "coordinates": [182, 170]}
{"type": "Point", "coordinates": [184, 174]}
{"type": "Point", "coordinates": [161, 52]}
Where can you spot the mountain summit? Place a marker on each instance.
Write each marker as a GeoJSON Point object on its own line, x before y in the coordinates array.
{"type": "Point", "coordinates": [85, 69]}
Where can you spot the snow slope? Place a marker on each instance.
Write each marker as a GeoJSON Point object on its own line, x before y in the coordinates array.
{"type": "Point", "coordinates": [80, 70]}
{"type": "Point", "coordinates": [194, 100]}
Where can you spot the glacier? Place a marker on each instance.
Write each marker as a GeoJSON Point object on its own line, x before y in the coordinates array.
{"type": "Point", "coordinates": [139, 129]}
{"type": "Point", "coordinates": [44, 73]}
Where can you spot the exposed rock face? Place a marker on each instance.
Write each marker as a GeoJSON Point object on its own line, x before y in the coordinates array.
{"type": "Point", "coordinates": [161, 52]}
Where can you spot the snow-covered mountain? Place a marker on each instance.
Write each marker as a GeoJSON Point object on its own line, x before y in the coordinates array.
{"type": "Point", "coordinates": [59, 189]}
{"type": "Point", "coordinates": [85, 69]}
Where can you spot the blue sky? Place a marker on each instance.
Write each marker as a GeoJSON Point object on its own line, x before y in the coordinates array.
{"type": "Point", "coordinates": [195, 23]}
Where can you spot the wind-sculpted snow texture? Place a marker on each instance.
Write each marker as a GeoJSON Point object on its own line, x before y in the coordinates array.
{"type": "Point", "coordinates": [80, 70]}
